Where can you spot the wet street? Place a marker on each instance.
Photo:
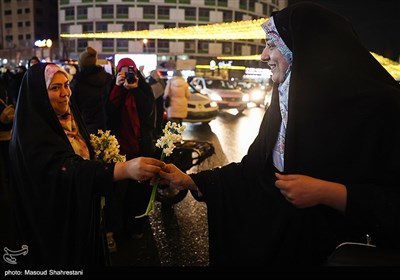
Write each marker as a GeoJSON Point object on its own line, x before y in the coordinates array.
{"type": "Point", "coordinates": [178, 235]}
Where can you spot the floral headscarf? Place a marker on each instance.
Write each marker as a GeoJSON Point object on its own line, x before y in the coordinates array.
{"type": "Point", "coordinates": [273, 35]}
{"type": "Point", "coordinates": [67, 120]}
{"type": "Point", "coordinates": [283, 89]}
{"type": "Point", "coordinates": [49, 72]}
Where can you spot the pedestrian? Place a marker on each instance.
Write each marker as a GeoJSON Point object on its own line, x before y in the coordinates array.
{"type": "Point", "coordinates": [14, 83]}
{"type": "Point", "coordinates": [56, 182]}
{"type": "Point", "coordinates": [7, 112]}
{"type": "Point", "coordinates": [323, 167]}
{"type": "Point", "coordinates": [158, 86]}
{"type": "Point", "coordinates": [91, 87]}
{"type": "Point", "coordinates": [131, 113]}
{"type": "Point", "coordinates": [34, 60]}
{"type": "Point", "coordinates": [177, 93]}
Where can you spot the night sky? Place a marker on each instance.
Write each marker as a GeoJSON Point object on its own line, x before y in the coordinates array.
{"type": "Point", "coordinates": [377, 22]}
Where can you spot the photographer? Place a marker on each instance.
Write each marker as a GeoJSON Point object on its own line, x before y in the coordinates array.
{"type": "Point", "coordinates": [131, 116]}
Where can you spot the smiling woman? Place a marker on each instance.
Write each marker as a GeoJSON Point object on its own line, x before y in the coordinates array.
{"type": "Point", "coordinates": [56, 181]}
{"type": "Point", "coordinates": [315, 167]}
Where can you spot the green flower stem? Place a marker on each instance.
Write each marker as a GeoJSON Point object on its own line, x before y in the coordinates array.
{"type": "Point", "coordinates": [151, 206]}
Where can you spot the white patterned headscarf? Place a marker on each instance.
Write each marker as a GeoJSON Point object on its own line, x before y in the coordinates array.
{"type": "Point", "coordinates": [273, 35]}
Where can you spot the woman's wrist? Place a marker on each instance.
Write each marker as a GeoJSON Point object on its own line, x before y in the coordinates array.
{"type": "Point", "coordinates": [120, 171]}
{"type": "Point", "coordinates": [335, 196]}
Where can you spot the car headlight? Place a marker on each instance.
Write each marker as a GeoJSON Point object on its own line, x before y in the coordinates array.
{"type": "Point", "coordinates": [215, 97]}
{"type": "Point", "coordinates": [256, 95]}
{"type": "Point", "coordinates": [213, 104]}
{"type": "Point", "coordinates": [245, 97]}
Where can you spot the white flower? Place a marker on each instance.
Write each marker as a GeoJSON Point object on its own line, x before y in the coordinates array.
{"type": "Point", "coordinates": [106, 147]}
{"type": "Point", "coordinates": [172, 134]}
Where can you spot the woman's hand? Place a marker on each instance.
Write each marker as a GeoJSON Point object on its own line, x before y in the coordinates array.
{"type": "Point", "coordinates": [133, 85]}
{"type": "Point", "coordinates": [140, 169]}
{"type": "Point", "coordinates": [120, 80]}
{"type": "Point", "coordinates": [174, 177]}
{"type": "Point", "coordinates": [305, 191]}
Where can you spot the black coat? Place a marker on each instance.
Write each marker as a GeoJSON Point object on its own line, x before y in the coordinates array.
{"type": "Point", "coordinates": [90, 90]}
{"type": "Point", "coordinates": [343, 126]}
{"type": "Point", "coordinates": [56, 194]}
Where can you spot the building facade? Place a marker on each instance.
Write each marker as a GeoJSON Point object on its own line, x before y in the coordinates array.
{"type": "Point", "coordinates": [22, 23]}
{"type": "Point", "coordinates": [92, 16]}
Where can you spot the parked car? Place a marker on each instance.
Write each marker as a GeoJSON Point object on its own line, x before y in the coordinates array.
{"type": "Point", "coordinates": [224, 92]}
{"type": "Point", "coordinates": [200, 107]}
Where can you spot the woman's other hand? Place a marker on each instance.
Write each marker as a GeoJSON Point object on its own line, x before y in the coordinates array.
{"type": "Point", "coordinates": [304, 191]}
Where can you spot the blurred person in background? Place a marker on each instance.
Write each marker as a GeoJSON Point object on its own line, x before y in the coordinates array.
{"type": "Point", "coordinates": [91, 87]}
{"type": "Point", "coordinates": [6, 120]}
{"type": "Point", "coordinates": [15, 80]}
{"type": "Point", "coordinates": [177, 93]}
{"type": "Point", "coordinates": [34, 60]}
{"type": "Point", "coordinates": [158, 86]}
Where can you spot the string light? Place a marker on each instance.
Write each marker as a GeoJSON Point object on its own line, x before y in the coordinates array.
{"type": "Point", "coordinates": [238, 30]}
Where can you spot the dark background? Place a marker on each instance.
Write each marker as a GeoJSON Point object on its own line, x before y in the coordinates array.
{"type": "Point", "coordinates": [377, 22]}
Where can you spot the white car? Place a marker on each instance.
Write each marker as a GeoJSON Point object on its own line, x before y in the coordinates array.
{"type": "Point", "coordinates": [224, 92]}
{"type": "Point", "coordinates": [200, 107]}
{"type": "Point", "coordinates": [256, 92]}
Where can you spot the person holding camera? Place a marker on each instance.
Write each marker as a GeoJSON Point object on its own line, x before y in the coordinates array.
{"type": "Point", "coordinates": [131, 119]}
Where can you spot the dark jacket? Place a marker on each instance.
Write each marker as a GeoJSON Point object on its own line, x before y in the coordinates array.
{"type": "Point", "coordinates": [90, 90]}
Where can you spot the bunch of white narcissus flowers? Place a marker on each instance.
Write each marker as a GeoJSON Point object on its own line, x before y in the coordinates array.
{"type": "Point", "coordinates": [172, 135]}
{"type": "Point", "coordinates": [106, 147]}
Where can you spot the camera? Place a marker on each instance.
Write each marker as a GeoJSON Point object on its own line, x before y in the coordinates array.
{"type": "Point", "coordinates": [130, 75]}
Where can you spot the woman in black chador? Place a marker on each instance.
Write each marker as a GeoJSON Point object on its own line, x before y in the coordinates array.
{"type": "Point", "coordinates": [55, 183]}
{"type": "Point", "coordinates": [324, 166]}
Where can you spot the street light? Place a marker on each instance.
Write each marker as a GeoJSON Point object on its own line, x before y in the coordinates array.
{"type": "Point", "coordinates": [145, 41]}
{"type": "Point", "coordinates": [45, 43]}
{"type": "Point", "coordinates": [212, 66]}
